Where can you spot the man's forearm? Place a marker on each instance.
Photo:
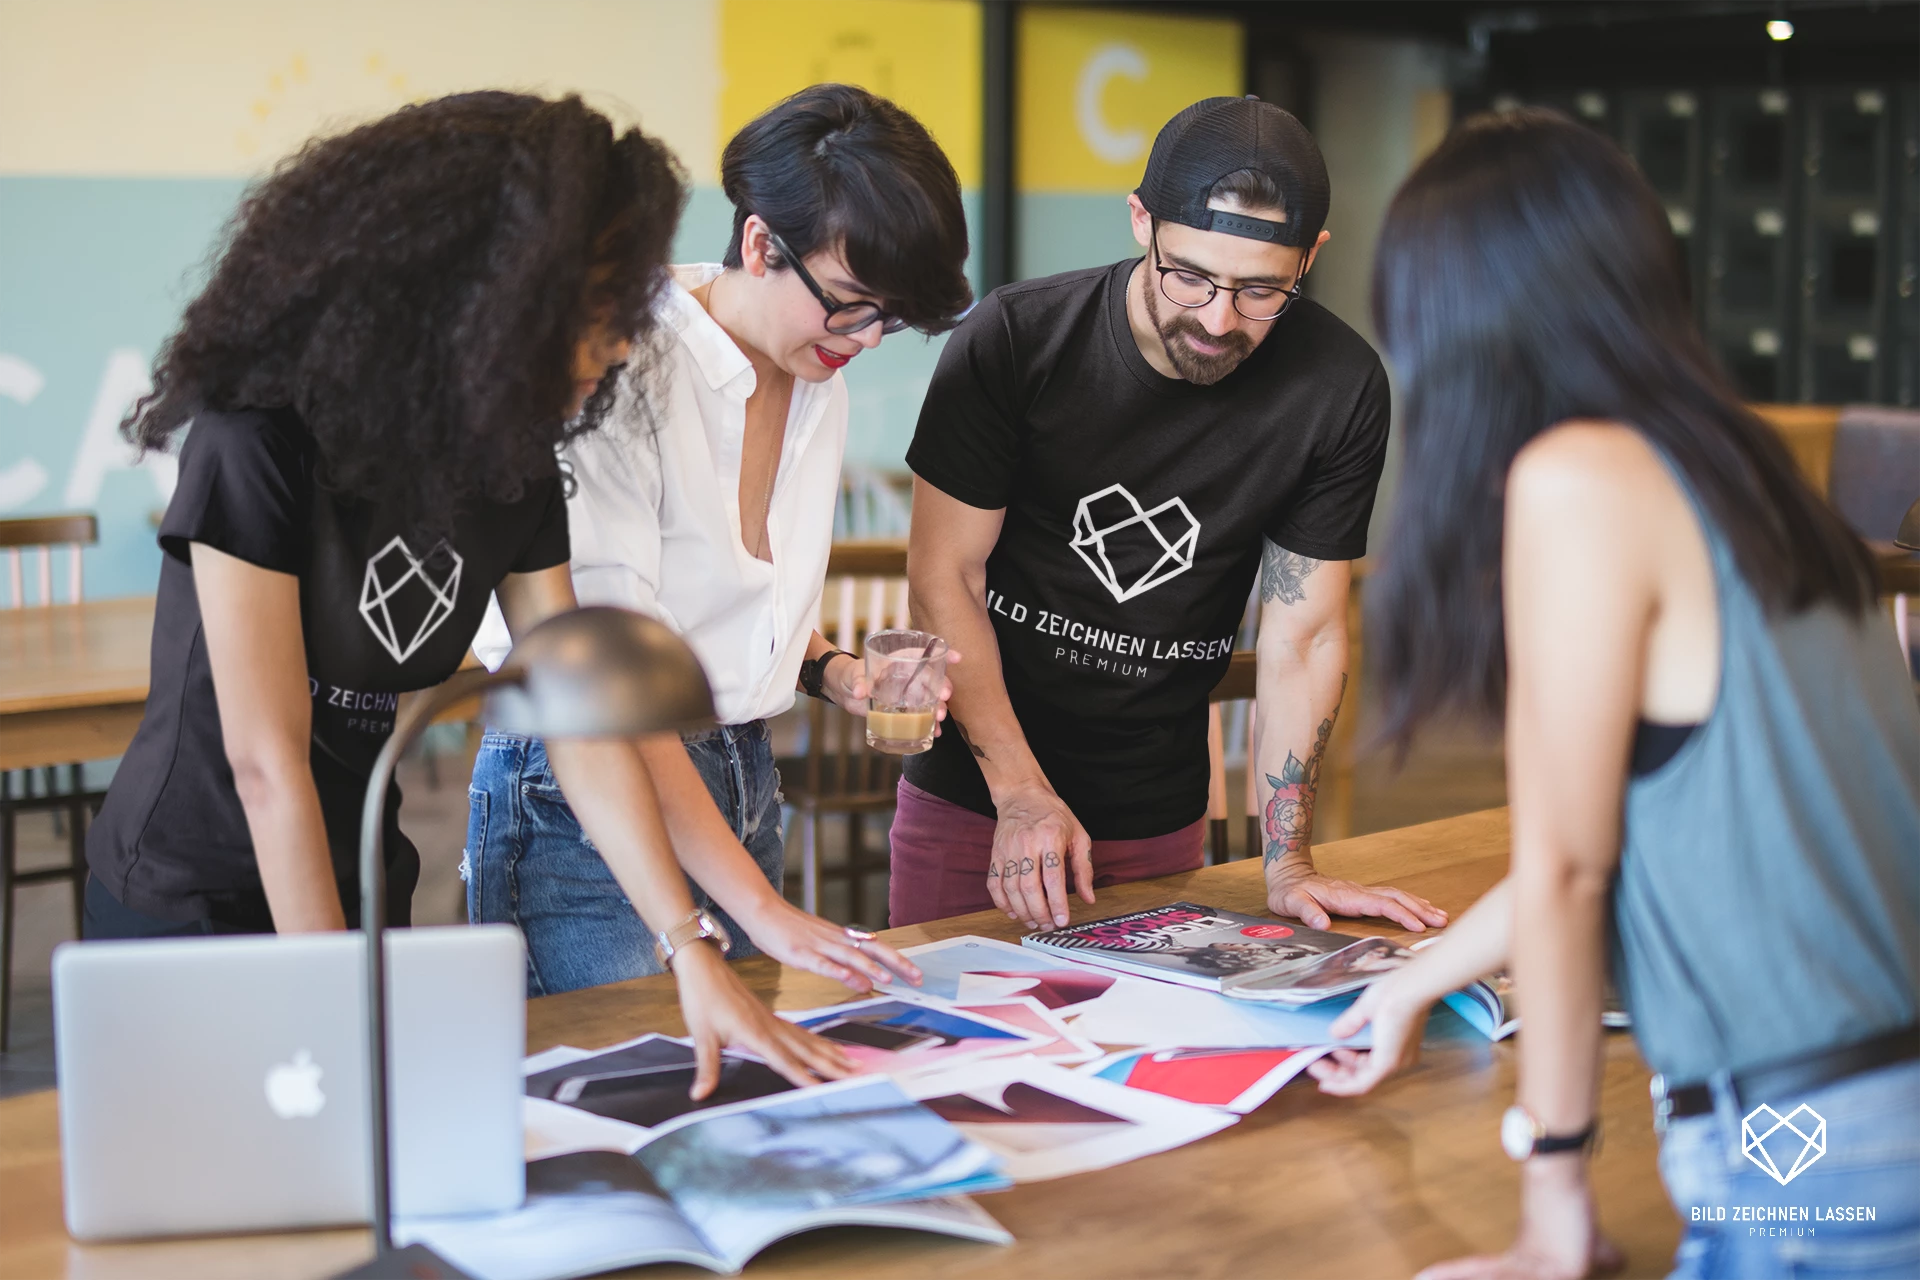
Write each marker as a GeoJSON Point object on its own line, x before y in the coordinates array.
{"type": "Point", "coordinates": [980, 710]}
{"type": "Point", "coordinates": [1299, 700]}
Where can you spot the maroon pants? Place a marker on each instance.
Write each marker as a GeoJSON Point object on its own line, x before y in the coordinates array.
{"type": "Point", "coordinates": [940, 855]}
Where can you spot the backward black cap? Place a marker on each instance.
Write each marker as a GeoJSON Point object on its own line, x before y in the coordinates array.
{"type": "Point", "coordinates": [1218, 136]}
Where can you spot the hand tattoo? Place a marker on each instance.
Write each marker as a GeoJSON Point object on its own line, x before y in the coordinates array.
{"type": "Point", "coordinates": [1026, 866]}
{"type": "Point", "coordinates": [1283, 575]}
{"type": "Point", "coordinates": [1053, 859]}
{"type": "Point", "coordinates": [1011, 870]}
{"type": "Point", "coordinates": [993, 871]}
{"type": "Point", "coordinates": [1289, 814]}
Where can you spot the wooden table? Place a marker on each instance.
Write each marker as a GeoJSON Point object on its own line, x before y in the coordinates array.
{"type": "Point", "coordinates": [73, 680]}
{"type": "Point", "coordinates": [1306, 1186]}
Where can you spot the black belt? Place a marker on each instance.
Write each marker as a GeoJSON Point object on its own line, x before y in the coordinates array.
{"type": "Point", "coordinates": [1796, 1075]}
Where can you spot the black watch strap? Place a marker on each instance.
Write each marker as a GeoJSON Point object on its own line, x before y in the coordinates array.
{"type": "Point", "coordinates": [1547, 1144]}
{"type": "Point", "coordinates": [813, 672]}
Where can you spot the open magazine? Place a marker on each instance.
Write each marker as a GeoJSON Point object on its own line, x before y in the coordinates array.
{"type": "Point", "coordinates": [1246, 957]}
{"type": "Point", "coordinates": [1487, 1006]}
{"type": "Point", "coordinates": [714, 1187]}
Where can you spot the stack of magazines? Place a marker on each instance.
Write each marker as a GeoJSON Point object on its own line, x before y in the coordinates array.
{"type": "Point", "coordinates": [1244, 957]}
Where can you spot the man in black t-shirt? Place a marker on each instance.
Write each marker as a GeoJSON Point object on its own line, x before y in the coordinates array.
{"type": "Point", "coordinates": [1104, 461]}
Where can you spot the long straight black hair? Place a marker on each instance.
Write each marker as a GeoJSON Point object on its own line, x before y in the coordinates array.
{"type": "Point", "coordinates": [1526, 275]}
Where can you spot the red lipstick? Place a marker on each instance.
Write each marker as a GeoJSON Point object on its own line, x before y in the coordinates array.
{"type": "Point", "coordinates": [829, 357]}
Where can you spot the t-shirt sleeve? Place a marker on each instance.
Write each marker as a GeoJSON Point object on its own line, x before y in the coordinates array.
{"type": "Point", "coordinates": [967, 441]}
{"type": "Point", "coordinates": [242, 490]}
{"type": "Point", "coordinates": [549, 545]}
{"type": "Point", "coordinates": [1326, 518]}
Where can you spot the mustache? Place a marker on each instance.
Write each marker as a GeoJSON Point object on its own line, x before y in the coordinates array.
{"type": "Point", "coordinates": [1237, 345]}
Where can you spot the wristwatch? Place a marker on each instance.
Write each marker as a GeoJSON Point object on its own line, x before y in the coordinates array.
{"type": "Point", "coordinates": [1525, 1137]}
{"type": "Point", "coordinates": [668, 943]}
{"type": "Point", "coordinates": [813, 672]}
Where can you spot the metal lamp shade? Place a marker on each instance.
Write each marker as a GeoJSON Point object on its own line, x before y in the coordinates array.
{"type": "Point", "coordinates": [1909, 535]}
{"type": "Point", "coordinates": [600, 672]}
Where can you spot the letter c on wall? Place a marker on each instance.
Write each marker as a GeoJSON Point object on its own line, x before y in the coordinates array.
{"type": "Point", "coordinates": [1115, 146]}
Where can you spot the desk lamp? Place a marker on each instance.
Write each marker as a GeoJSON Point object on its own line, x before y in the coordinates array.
{"type": "Point", "coordinates": [587, 673]}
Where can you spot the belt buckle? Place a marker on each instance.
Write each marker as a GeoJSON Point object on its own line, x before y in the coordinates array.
{"type": "Point", "coordinates": [1662, 1104]}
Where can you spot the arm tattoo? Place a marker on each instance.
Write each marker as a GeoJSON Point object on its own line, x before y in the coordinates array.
{"type": "Point", "coordinates": [1289, 814]}
{"type": "Point", "coordinates": [1283, 575]}
{"type": "Point", "coordinates": [962, 731]}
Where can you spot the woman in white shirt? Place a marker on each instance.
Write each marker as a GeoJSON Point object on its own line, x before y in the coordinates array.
{"type": "Point", "coordinates": [708, 502]}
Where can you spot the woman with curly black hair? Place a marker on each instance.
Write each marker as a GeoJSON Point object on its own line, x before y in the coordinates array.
{"type": "Point", "coordinates": [406, 321]}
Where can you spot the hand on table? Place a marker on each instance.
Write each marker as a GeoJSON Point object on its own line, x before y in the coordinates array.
{"type": "Point", "coordinates": [721, 1013]}
{"type": "Point", "coordinates": [803, 941]}
{"type": "Point", "coordinates": [1399, 1018]}
{"type": "Point", "coordinates": [1295, 889]}
{"type": "Point", "coordinates": [1559, 1235]}
{"type": "Point", "coordinates": [845, 683]}
{"type": "Point", "coordinates": [1037, 837]}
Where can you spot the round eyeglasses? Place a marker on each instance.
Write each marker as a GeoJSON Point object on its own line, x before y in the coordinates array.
{"type": "Point", "coordinates": [1192, 290]}
{"type": "Point", "coordinates": [843, 318]}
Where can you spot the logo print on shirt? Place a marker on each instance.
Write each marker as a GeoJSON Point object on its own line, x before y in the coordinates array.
{"type": "Point", "coordinates": [1129, 549]}
{"type": "Point", "coordinates": [1798, 1139]}
{"type": "Point", "coordinates": [401, 597]}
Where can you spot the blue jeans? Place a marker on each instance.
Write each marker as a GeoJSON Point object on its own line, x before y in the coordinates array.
{"type": "Point", "coordinates": [528, 863]}
{"type": "Point", "coordinates": [1872, 1161]}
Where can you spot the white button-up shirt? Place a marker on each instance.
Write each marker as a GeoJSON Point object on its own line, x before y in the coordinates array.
{"type": "Point", "coordinates": [655, 512]}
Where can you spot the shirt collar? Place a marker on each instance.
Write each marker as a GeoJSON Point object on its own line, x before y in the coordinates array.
{"type": "Point", "coordinates": [720, 362]}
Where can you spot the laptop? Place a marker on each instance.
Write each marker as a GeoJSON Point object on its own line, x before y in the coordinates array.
{"type": "Point", "coordinates": [212, 1085]}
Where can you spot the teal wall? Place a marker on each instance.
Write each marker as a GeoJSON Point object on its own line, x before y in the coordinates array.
{"type": "Point", "coordinates": [1062, 232]}
{"type": "Point", "coordinates": [93, 275]}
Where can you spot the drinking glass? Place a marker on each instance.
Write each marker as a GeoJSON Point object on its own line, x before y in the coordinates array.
{"type": "Point", "coordinates": [905, 672]}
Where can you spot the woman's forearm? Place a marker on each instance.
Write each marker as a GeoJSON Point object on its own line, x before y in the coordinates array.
{"type": "Point", "coordinates": [704, 844]}
{"type": "Point", "coordinates": [612, 793]}
{"type": "Point", "coordinates": [1476, 945]}
{"type": "Point", "coordinates": [1558, 948]}
{"type": "Point", "coordinates": [290, 845]}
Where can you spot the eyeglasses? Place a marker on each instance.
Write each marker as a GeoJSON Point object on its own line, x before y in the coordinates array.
{"type": "Point", "coordinates": [843, 318]}
{"type": "Point", "coordinates": [1254, 301]}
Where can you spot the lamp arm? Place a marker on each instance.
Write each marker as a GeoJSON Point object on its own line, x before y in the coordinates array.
{"type": "Point", "coordinates": [373, 916]}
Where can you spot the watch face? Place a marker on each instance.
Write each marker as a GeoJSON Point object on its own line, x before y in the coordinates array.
{"type": "Point", "coordinates": [1516, 1133]}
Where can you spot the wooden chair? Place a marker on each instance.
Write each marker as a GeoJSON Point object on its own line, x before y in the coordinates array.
{"type": "Point", "coordinates": [838, 773]}
{"type": "Point", "coordinates": [1865, 460]}
{"type": "Point", "coordinates": [21, 791]}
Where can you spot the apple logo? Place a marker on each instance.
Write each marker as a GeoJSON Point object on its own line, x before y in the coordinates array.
{"type": "Point", "coordinates": [293, 1088]}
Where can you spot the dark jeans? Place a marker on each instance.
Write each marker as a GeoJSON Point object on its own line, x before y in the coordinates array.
{"type": "Point", "coordinates": [528, 863]}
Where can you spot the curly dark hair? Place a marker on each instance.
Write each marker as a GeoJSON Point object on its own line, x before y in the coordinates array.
{"type": "Point", "coordinates": [414, 289]}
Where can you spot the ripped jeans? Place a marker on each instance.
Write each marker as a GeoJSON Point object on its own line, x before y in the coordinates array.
{"type": "Point", "coordinates": [528, 863]}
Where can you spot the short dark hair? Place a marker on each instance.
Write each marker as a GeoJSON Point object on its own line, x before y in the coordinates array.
{"type": "Point", "coordinates": [837, 165]}
{"type": "Point", "coordinates": [1250, 189]}
{"type": "Point", "coordinates": [414, 289]}
{"type": "Point", "coordinates": [1527, 275]}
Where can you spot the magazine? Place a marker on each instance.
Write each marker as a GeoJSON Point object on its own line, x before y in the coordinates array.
{"type": "Point", "coordinates": [714, 1187]}
{"type": "Point", "coordinates": [1044, 1121]}
{"type": "Point", "coordinates": [1487, 1006]}
{"type": "Point", "coordinates": [1105, 1006]}
{"type": "Point", "coordinates": [1236, 1080]}
{"type": "Point", "coordinates": [1250, 957]}
{"type": "Point", "coordinates": [894, 1036]}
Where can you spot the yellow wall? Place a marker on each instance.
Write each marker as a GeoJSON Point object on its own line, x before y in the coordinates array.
{"type": "Point", "coordinates": [225, 87]}
{"type": "Point", "coordinates": [1096, 85]}
{"type": "Point", "coordinates": [923, 54]}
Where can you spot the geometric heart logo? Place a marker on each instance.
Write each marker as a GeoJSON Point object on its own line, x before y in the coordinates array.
{"type": "Point", "coordinates": [1129, 549]}
{"type": "Point", "coordinates": [405, 597]}
{"type": "Point", "coordinates": [1793, 1141]}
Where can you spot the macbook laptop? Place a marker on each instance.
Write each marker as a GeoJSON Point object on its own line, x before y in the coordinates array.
{"type": "Point", "coordinates": [220, 1084]}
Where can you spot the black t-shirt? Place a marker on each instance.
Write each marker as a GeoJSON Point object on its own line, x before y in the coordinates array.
{"type": "Point", "coordinates": [1135, 509]}
{"type": "Point", "coordinates": [384, 611]}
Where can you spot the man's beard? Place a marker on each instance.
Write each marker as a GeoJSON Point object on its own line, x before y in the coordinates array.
{"type": "Point", "coordinates": [1201, 370]}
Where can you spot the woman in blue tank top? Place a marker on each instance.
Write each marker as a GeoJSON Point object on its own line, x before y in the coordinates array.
{"type": "Point", "coordinates": [1712, 740]}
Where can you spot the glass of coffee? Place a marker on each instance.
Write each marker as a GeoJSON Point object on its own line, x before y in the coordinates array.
{"type": "Point", "coordinates": [905, 672]}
